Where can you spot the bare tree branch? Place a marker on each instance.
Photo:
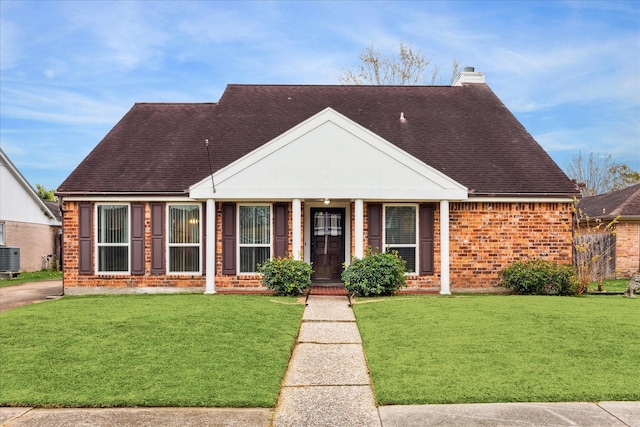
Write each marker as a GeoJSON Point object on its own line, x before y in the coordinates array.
{"type": "Point", "coordinates": [408, 68]}
{"type": "Point", "coordinates": [598, 174]}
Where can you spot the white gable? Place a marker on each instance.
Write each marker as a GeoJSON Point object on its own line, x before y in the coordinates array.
{"type": "Point", "coordinates": [18, 200]}
{"type": "Point", "coordinates": [329, 156]}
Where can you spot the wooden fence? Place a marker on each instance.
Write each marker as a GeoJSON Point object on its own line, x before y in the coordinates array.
{"type": "Point", "coordinates": [595, 254]}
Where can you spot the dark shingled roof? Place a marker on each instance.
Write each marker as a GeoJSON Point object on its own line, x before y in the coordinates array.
{"type": "Point", "coordinates": [624, 203]}
{"type": "Point", "coordinates": [465, 132]}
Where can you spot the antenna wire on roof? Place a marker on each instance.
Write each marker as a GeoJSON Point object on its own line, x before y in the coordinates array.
{"type": "Point", "coordinates": [206, 143]}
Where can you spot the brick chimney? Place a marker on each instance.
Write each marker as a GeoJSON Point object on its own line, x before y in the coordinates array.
{"type": "Point", "coordinates": [468, 75]}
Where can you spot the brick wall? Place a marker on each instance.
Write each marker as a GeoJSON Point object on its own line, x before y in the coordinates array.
{"type": "Point", "coordinates": [34, 241]}
{"type": "Point", "coordinates": [627, 248]}
{"type": "Point", "coordinates": [484, 238]}
{"type": "Point", "coordinates": [72, 278]}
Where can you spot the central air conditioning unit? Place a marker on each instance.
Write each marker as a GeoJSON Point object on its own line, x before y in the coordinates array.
{"type": "Point", "coordinates": [9, 259]}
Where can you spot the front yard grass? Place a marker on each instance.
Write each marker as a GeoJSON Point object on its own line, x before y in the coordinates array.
{"type": "Point", "coordinates": [610, 285]}
{"type": "Point", "coordinates": [35, 276]}
{"type": "Point", "coordinates": [501, 348]}
{"type": "Point", "coordinates": [147, 350]}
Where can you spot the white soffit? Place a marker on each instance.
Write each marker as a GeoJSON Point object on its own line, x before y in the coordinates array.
{"type": "Point", "coordinates": [329, 156]}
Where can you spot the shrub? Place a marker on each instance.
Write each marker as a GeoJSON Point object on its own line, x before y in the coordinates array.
{"type": "Point", "coordinates": [540, 277]}
{"type": "Point", "coordinates": [286, 276]}
{"type": "Point", "coordinates": [375, 274]}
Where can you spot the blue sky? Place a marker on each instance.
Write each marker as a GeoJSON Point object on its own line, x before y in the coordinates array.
{"type": "Point", "coordinates": [569, 71]}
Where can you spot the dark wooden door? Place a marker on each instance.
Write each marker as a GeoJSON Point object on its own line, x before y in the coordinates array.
{"type": "Point", "coordinates": [327, 244]}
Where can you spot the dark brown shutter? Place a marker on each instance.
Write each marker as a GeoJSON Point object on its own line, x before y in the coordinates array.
{"type": "Point", "coordinates": [137, 238]}
{"type": "Point", "coordinates": [157, 238]}
{"type": "Point", "coordinates": [374, 225]}
{"type": "Point", "coordinates": [426, 239]}
{"type": "Point", "coordinates": [228, 238]}
{"type": "Point", "coordinates": [203, 233]}
{"type": "Point", "coordinates": [281, 230]}
{"type": "Point", "coordinates": [85, 241]}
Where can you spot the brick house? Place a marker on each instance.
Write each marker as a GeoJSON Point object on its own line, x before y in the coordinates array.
{"type": "Point", "coordinates": [445, 175]}
{"type": "Point", "coordinates": [26, 221]}
{"type": "Point", "coordinates": [623, 206]}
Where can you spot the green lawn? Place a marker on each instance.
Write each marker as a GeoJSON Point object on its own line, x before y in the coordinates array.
{"type": "Point", "coordinates": [610, 285]}
{"type": "Point", "coordinates": [148, 350]}
{"type": "Point", "coordinates": [502, 348]}
{"type": "Point", "coordinates": [36, 276]}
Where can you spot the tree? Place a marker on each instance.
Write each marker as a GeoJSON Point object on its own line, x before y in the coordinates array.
{"type": "Point", "coordinates": [598, 174]}
{"type": "Point", "coordinates": [409, 68]}
{"type": "Point", "coordinates": [45, 194]}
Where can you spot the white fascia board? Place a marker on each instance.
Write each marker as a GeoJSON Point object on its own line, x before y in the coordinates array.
{"type": "Point", "coordinates": [115, 197]}
{"type": "Point", "coordinates": [541, 199]}
{"type": "Point", "coordinates": [329, 156]}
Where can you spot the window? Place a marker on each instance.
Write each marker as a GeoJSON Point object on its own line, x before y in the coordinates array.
{"type": "Point", "coordinates": [113, 238]}
{"type": "Point", "coordinates": [254, 236]}
{"type": "Point", "coordinates": [327, 224]}
{"type": "Point", "coordinates": [400, 231]}
{"type": "Point", "coordinates": [1, 233]}
{"type": "Point", "coordinates": [184, 238]}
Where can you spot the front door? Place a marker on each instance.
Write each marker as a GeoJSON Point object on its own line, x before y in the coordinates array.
{"type": "Point", "coordinates": [327, 244]}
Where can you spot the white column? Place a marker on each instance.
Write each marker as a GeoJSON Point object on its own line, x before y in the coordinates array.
{"type": "Point", "coordinates": [210, 262]}
{"type": "Point", "coordinates": [444, 248]}
{"type": "Point", "coordinates": [358, 233]}
{"type": "Point", "coordinates": [296, 219]}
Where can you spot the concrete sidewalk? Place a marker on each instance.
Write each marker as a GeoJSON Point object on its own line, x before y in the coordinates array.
{"type": "Point", "coordinates": [327, 383]}
{"type": "Point", "coordinates": [603, 414]}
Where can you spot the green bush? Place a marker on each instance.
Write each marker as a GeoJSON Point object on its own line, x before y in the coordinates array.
{"type": "Point", "coordinates": [539, 277]}
{"type": "Point", "coordinates": [375, 274]}
{"type": "Point", "coordinates": [286, 276]}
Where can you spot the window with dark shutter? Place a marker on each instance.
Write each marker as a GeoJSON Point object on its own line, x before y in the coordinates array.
{"type": "Point", "coordinates": [85, 241]}
{"type": "Point", "coordinates": [374, 225]}
{"type": "Point", "coordinates": [137, 238]}
{"type": "Point", "coordinates": [426, 238]}
{"type": "Point", "coordinates": [113, 238]}
{"type": "Point", "coordinates": [254, 236]}
{"type": "Point", "coordinates": [400, 230]}
{"type": "Point", "coordinates": [183, 235]}
{"type": "Point", "coordinates": [228, 238]}
{"type": "Point", "coordinates": [281, 229]}
{"type": "Point", "coordinates": [157, 238]}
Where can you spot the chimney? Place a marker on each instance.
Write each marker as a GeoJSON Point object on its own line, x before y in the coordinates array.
{"type": "Point", "coordinates": [468, 75]}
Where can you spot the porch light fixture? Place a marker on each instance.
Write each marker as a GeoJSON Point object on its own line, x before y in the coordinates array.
{"type": "Point", "coordinates": [327, 201]}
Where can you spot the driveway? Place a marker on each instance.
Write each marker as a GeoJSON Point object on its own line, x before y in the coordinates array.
{"type": "Point", "coordinates": [27, 293]}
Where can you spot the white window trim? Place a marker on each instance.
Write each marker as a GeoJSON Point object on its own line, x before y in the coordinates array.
{"type": "Point", "coordinates": [175, 245]}
{"type": "Point", "coordinates": [402, 245]}
{"type": "Point", "coordinates": [2, 231]}
{"type": "Point", "coordinates": [97, 245]}
{"type": "Point", "coordinates": [239, 245]}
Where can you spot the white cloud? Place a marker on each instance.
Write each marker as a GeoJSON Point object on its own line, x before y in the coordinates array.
{"type": "Point", "coordinates": [9, 36]}
{"type": "Point", "coordinates": [54, 105]}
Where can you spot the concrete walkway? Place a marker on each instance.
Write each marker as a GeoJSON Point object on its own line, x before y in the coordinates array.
{"type": "Point", "coordinates": [327, 383]}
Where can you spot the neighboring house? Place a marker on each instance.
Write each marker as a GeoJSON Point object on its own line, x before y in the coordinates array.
{"type": "Point", "coordinates": [445, 175]}
{"type": "Point", "coordinates": [26, 221]}
{"type": "Point", "coordinates": [623, 206]}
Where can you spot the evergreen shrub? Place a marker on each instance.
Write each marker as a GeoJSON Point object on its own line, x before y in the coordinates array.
{"type": "Point", "coordinates": [286, 276]}
{"type": "Point", "coordinates": [539, 277]}
{"type": "Point", "coordinates": [375, 274]}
